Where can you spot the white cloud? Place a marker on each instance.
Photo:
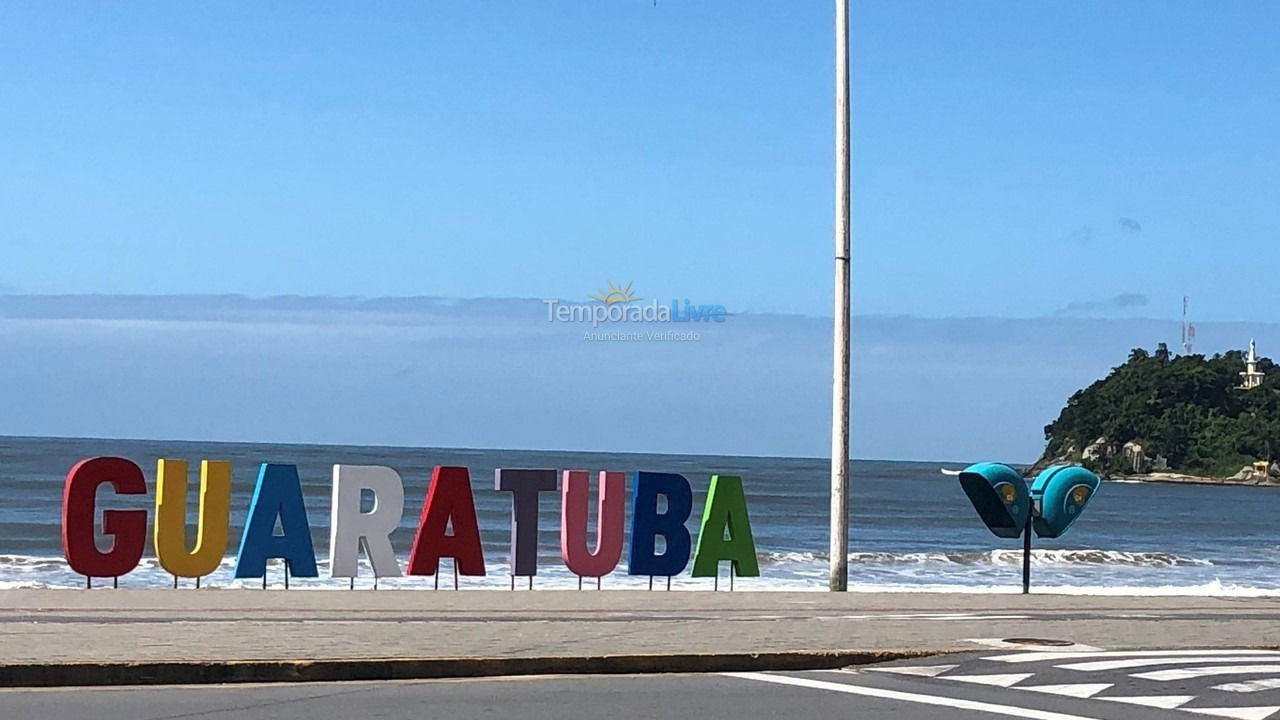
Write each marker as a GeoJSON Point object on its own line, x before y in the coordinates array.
{"type": "Point", "coordinates": [495, 373]}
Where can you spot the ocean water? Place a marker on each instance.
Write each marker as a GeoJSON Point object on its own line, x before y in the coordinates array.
{"type": "Point", "coordinates": [912, 528]}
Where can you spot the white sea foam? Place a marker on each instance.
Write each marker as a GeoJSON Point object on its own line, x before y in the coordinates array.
{"type": "Point", "coordinates": [1081, 556]}
{"type": "Point", "coordinates": [1072, 572]}
{"type": "Point", "coordinates": [1213, 588]}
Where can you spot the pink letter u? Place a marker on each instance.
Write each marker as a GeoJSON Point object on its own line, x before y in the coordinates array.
{"type": "Point", "coordinates": [610, 522]}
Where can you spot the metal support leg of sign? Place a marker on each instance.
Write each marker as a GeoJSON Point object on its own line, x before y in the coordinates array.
{"type": "Point", "coordinates": [352, 585]}
{"type": "Point", "coordinates": [436, 577]}
{"type": "Point", "coordinates": [730, 577]}
{"type": "Point", "coordinates": [375, 582]}
{"type": "Point", "coordinates": [715, 586]}
{"type": "Point", "coordinates": [455, 574]}
{"type": "Point", "coordinates": [1026, 559]}
{"type": "Point", "coordinates": [88, 582]}
{"type": "Point", "coordinates": [579, 583]}
{"type": "Point", "coordinates": [197, 583]}
{"type": "Point", "coordinates": [530, 582]}
{"type": "Point", "coordinates": [598, 582]}
{"type": "Point", "coordinates": [175, 582]}
{"type": "Point", "coordinates": [286, 574]}
{"type": "Point", "coordinates": [668, 583]}
{"type": "Point", "coordinates": [264, 579]}
{"type": "Point", "coordinates": [513, 583]}
{"type": "Point", "coordinates": [650, 582]}
{"type": "Point", "coordinates": [115, 583]}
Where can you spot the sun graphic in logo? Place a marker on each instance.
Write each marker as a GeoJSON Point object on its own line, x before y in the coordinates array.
{"type": "Point", "coordinates": [615, 295]}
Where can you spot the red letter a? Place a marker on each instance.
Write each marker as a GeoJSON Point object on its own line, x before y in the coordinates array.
{"type": "Point", "coordinates": [448, 502]}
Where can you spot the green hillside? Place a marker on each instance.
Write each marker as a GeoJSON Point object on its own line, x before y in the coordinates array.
{"type": "Point", "coordinates": [1187, 410]}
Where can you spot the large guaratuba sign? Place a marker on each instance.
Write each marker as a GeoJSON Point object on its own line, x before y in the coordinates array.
{"type": "Point", "coordinates": [661, 504]}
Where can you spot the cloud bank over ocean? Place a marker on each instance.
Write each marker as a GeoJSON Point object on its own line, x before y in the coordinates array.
{"type": "Point", "coordinates": [494, 372]}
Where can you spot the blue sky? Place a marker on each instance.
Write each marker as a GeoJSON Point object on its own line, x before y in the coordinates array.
{"type": "Point", "coordinates": [1011, 160]}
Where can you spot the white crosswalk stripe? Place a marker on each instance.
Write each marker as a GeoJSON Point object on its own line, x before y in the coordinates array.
{"type": "Point", "coordinates": [1099, 665]}
{"type": "Point", "coordinates": [1109, 668]}
{"type": "Point", "coordinates": [997, 680]}
{"type": "Point", "coordinates": [952, 703]}
{"type": "Point", "coordinates": [1078, 690]}
{"type": "Point", "coordinates": [1239, 713]}
{"type": "Point", "coordinates": [1165, 702]}
{"type": "Point", "coordinates": [1208, 671]}
{"type": "Point", "coordinates": [917, 670]}
{"type": "Point", "coordinates": [1249, 686]}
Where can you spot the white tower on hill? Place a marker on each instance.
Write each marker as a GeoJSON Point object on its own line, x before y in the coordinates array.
{"type": "Point", "coordinates": [1251, 377]}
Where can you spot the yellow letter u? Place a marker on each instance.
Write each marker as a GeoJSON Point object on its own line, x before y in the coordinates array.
{"type": "Point", "coordinates": [212, 519]}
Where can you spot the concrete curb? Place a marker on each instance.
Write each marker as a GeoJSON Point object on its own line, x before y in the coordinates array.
{"type": "Point", "coordinates": [284, 671]}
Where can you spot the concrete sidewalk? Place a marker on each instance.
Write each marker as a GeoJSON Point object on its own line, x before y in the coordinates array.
{"type": "Point", "coordinates": [516, 630]}
{"type": "Point", "coordinates": [220, 625]}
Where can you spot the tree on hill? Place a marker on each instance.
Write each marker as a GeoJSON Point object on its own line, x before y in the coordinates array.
{"type": "Point", "coordinates": [1188, 409]}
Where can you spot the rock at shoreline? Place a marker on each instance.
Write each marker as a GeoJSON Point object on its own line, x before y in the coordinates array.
{"type": "Point", "coordinates": [1247, 476]}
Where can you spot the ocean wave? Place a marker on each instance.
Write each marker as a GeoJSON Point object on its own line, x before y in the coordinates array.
{"type": "Point", "coordinates": [1213, 588]}
{"type": "Point", "coordinates": [1097, 557]}
{"type": "Point", "coordinates": [31, 563]}
{"type": "Point", "coordinates": [1063, 571]}
{"type": "Point", "coordinates": [1043, 557]}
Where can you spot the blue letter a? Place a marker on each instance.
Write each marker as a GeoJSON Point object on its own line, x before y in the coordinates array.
{"type": "Point", "coordinates": [278, 494]}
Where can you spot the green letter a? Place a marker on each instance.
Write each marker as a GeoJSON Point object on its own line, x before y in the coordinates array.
{"type": "Point", "coordinates": [726, 508]}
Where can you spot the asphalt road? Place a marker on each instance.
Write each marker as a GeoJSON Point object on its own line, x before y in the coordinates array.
{"type": "Point", "coordinates": [1077, 684]}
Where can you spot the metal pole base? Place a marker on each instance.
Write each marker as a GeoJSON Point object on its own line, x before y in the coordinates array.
{"type": "Point", "coordinates": [1026, 559]}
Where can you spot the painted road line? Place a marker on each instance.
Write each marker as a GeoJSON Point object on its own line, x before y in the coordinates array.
{"type": "Point", "coordinates": [1144, 662]}
{"type": "Point", "coordinates": [917, 670]}
{"type": "Point", "coordinates": [1078, 690]}
{"type": "Point", "coordinates": [918, 698]}
{"type": "Point", "coordinates": [1239, 713]}
{"type": "Point", "coordinates": [997, 680]}
{"type": "Point", "coordinates": [1249, 686]}
{"type": "Point", "coordinates": [1165, 702]}
{"type": "Point", "coordinates": [1208, 671]}
{"type": "Point", "coordinates": [1039, 656]}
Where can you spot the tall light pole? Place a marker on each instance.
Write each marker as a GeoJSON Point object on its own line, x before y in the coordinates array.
{"type": "Point", "coordinates": [839, 574]}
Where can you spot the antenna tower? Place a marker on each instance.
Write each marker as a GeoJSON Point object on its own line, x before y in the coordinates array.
{"type": "Point", "coordinates": [1188, 329]}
